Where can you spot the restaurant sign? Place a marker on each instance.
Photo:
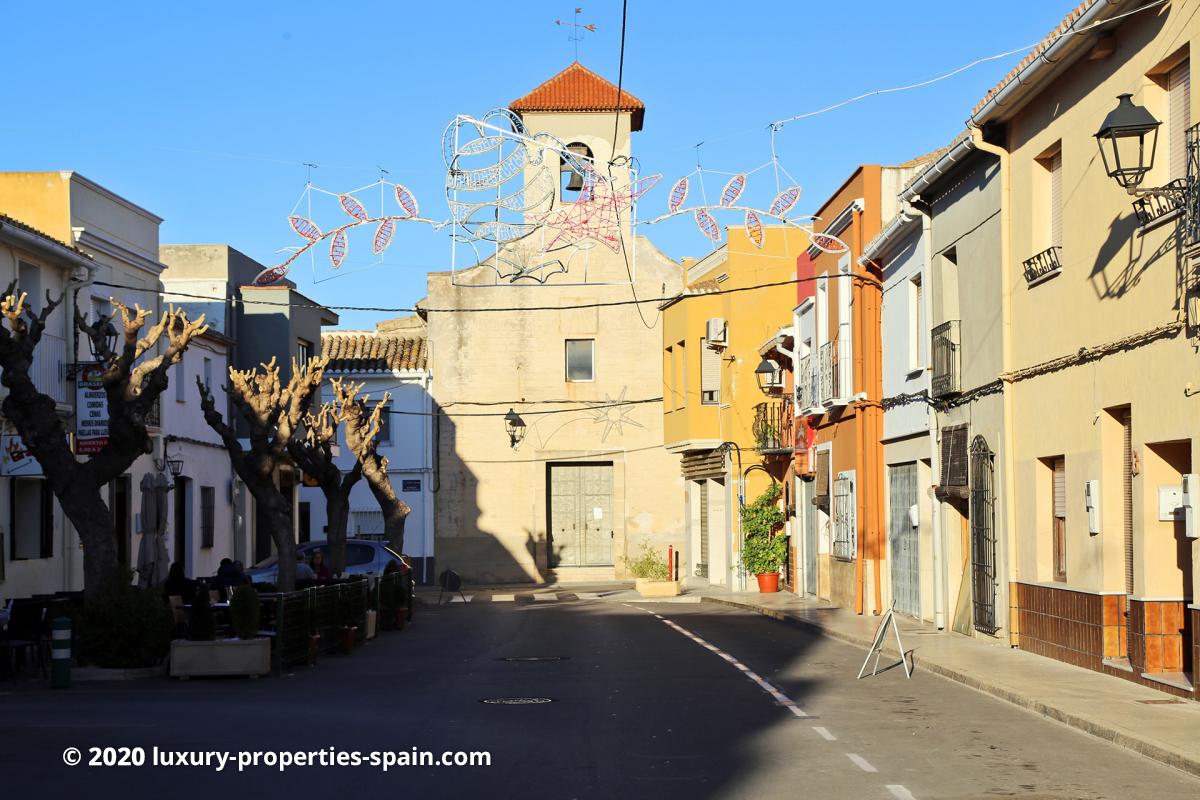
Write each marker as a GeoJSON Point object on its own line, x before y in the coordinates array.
{"type": "Point", "coordinates": [91, 411]}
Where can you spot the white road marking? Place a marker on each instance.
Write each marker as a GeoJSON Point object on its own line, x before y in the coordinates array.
{"type": "Point", "coordinates": [587, 595]}
{"type": "Point", "coordinates": [460, 598]}
{"type": "Point", "coordinates": [861, 762]}
{"type": "Point", "coordinates": [825, 734]}
{"type": "Point", "coordinates": [779, 697]}
{"type": "Point", "coordinates": [503, 598]}
{"type": "Point", "coordinates": [899, 792]}
{"type": "Point", "coordinates": [544, 597]}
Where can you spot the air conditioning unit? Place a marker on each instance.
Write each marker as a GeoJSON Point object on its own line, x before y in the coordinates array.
{"type": "Point", "coordinates": [716, 332]}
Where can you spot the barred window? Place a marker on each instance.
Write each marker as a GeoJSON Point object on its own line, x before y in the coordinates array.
{"type": "Point", "coordinates": [845, 521]}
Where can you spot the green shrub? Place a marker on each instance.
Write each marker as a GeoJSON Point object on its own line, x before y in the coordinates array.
{"type": "Point", "coordinates": [763, 516]}
{"type": "Point", "coordinates": [124, 627]}
{"type": "Point", "coordinates": [244, 610]}
{"type": "Point", "coordinates": [650, 564]}
{"type": "Point", "coordinates": [763, 554]}
{"type": "Point", "coordinates": [201, 627]}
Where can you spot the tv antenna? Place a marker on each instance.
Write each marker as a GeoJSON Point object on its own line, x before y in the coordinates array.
{"type": "Point", "coordinates": [578, 31]}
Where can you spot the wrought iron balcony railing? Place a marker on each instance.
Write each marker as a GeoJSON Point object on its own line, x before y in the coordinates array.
{"type": "Point", "coordinates": [774, 427]}
{"type": "Point", "coordinates": [1043, 265]}
{"type": "Point", "coordinates": [1151, 208]}
{"type": "Point", "coordinates": [806, 383]}
{"type": "Point", "coordinates": [945, 349]}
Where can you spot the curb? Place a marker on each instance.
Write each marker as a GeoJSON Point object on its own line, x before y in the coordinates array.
{"type": "Point", "coordinates": [1108, 733]}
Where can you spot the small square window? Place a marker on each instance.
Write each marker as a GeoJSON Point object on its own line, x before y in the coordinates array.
{"type": "Point", "coordinates": [581, 357]}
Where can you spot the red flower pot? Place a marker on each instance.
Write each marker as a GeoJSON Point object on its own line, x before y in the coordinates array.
{"type": "Point", "coordinates": [768, 582]}
{"type": "Point", "coordinates": [349, 634]}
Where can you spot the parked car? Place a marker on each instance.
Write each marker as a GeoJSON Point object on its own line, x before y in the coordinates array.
{"type": "Point", "coordinates": [363, 557]}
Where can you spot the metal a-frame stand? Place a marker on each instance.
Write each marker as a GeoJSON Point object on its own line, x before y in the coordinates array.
{"type": "Point", "coordinates": [876, 650]}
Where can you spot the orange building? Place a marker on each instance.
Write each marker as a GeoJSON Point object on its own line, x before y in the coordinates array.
{"type": "Point", "coordinates": [838, 532]}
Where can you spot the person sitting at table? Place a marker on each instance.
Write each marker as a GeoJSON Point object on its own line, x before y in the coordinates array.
{"type": "Point", "coordinates": [239, 574]}
{"type": "Point", "coordinates": [303, 571]}
{"type": "Point", "coordinates": [177, 583]}
{"type": "Point", "coordinates": [318, 566]}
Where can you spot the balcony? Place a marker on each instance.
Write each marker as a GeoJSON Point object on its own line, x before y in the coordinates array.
{"type": "Point", "coordinates": [154, 418]}
{"type": "Point", "coordinates": [1043, 266]}
{"type": "Point", "coordinates": [774, 427]}
{"type": "Point", "coordinates": [834, 384]}
{"type": "Point", "coordinates": [806, 384]}
{"type": "Point", "coordinates": [1191, 212]}
{"type": "Point", "coordinates": [945, 349]}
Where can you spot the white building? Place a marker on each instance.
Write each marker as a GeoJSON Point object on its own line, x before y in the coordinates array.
{"type": "Point", "coordinates": [390, 359]}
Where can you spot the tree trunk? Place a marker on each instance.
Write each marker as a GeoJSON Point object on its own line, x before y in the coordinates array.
{"type": "Point", "coordinates": [94, 524]}
{"type": "Point", "coordinates": [337, 512]}
{"type": "Point", "coordinates": [395, 511]}
{"type": "Point", "coordinates": [279, 517]}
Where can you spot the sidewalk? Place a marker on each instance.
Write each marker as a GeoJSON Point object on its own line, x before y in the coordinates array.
{"type": "Point", "coordinates": [1152, 723]}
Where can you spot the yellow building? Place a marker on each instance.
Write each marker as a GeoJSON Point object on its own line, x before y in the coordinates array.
{"type": "Point", "coordinates": [713, 340]}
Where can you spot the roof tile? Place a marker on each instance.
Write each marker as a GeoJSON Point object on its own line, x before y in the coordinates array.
{"type": "Point", "coordinates": [366, 351]}
{"type": "Point", "coordinates": [577, 88]}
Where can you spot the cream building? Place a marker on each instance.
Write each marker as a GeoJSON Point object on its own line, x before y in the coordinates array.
{"type": "Point", "coordinates": [1100, 299]}
{"type": "Point", "coordinates": [587, 485]}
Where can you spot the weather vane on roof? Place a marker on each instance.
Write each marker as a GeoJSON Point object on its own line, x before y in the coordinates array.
{"type": "Point", "coordinates": [577, 31]}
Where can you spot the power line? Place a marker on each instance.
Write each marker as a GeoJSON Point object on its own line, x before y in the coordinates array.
{"type": "Point", "coordinates": [413, 309]}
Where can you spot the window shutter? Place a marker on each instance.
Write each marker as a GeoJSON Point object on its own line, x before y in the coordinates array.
{"type": "Point", "coordinates": [822, 478]}
{"type": "Point", "coordinates": [1056, 199]}
{"type": "Point", "coordinates": [1060, 488]}
{"type": "Point", "coordinates": [954, 456]}
{"type": "Point", "coordinates": [710, 373]}
{"type": "Point", "coordinates": [1179, 83]}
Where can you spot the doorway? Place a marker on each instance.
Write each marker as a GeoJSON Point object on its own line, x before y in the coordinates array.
{"type": "Point", "coordinates": [118, 503]}
{"type": "Point", "coordinates": [581, 523]}
{"type": "Point", "coordinates": [182, 515]}
{"type": "Point", "coordinates": [903, 536]}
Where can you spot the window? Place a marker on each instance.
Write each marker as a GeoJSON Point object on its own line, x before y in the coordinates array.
{"type": "Point", "coordinates": [821, 479]}
{"type": "Point", "coordinates": [357, 554]}
{"type": "Point", "coordinates": [29, 280]}
{"type": "Point", "coordinates": [181, 381]}
{"type": "Point", "coordinates": [303, 351]}
{"type": "Point", "coordinates": [1179, 117]}
{"type": "Point", "coordinates": [305, 521]}
{"type": "Point", "coordinates": [208, 364]}
{"type": "Point", "coordinates": [571, 180]}
{"type": "Point", "coordinates": [31, 519]}
{"type": "Point", "coordinates": [669, 379]}
{"type": "Point", "coordinates": [581, 356]}
{"type": "Point", "coordinates": [916, 325]}
{"type": "Point", "coordinates": [845, 517]}
{"type": "Point", "coordinates": [954, 456]}
{"type": "Point", "coordinates": [1059, 520]}
{"type": "Point", "coordinates": [1049, 210]}
{"type": "Point", "coordinates": [710, 374]}
{"type": "Point", "coordinates": [208, 515]}
{"type": "Point", "coordinates": [385, 425]}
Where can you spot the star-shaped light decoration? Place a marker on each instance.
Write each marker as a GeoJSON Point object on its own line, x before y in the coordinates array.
{"type": "Point", "coordinates": [614, 415]}
{"type": "Point", "coordinates": [595, 215]}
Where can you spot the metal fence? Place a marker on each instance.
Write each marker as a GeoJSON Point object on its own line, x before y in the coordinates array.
{"type": "Point", "coordinates": [944, 347]}
{"type": "Point", "coordinates": [1192, 198]}
{"type": "Point", "coordinates": [983, 537]}
{"type": "Point", "coordinates": [1042, 264]}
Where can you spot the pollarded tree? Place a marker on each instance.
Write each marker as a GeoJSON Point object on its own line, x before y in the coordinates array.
{"type": "Point", "coordinates": [313, 453]}
{"type": "Point", "coordinates": [134, 377]}
{"type": "Point", "coordinates": [362, 437]}
{"type": "Point", "coordinates": [273, 412]}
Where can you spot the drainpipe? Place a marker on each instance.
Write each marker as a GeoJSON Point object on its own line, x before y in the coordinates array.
{"type": "Point", "coordinates": [1005, 356]}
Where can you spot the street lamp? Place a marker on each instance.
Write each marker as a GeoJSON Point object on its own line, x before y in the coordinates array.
{"type": "Point", "coordinates": [1123, 143]}
{"type": "Point", "coordinates": [515, 427]}
{"type": "Point", "coordinates": [765, 372]}
{"type": "Point", "coordinates": [109, 331]}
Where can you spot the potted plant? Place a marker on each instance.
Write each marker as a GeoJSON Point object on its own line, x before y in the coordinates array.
{"type": "Point", "coordinates": [653, 573]}
{"type": "Point", "coordinates": [204, 655]}
{"type": "Point", "coordinates": [763, 550]}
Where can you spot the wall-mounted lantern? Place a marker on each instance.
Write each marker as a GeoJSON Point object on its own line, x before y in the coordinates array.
{"type": "Point", "coordinates": [110, 338]}
{"type": "Point", "coordinates": [515, 427]}
{"type": "Point", "coordinates": [1128, 139]}
{"type": "Point", "coordinates": [767, 375]}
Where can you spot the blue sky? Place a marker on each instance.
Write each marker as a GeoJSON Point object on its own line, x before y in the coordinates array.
{"type": "Point", "coordinates": [204, 113]}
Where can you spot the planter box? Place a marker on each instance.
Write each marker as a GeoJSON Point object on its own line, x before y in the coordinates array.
{"type": "Point", "coordinates": [221, 657]}
{"type": "Point", "coordinates": [648, 588]}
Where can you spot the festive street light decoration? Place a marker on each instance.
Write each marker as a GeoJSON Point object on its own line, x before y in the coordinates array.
{"type": "Point", "coordinates": [1122, 139]}
{"type": "Point", "coordinates": [515, 426]}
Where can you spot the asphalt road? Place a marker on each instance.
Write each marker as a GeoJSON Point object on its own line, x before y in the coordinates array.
{"type": "Point", "coordinates": [700, 701]}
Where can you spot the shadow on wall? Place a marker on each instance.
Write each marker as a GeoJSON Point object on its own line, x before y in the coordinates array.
{"type": "Point", "coordinates": [1111, 280]}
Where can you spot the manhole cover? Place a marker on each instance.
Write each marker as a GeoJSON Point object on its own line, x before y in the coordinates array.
{"type": "Point", "coordinates": [517, 701]}
{"type": "Point", "coordinates": [524, 659]}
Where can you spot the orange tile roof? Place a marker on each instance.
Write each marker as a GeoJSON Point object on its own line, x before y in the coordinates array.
{"type": "Point", "coordinates": [577, 88]}
{"type": "Point", "coordinates": [367, 351]}
{"type": "Point", "coordinates": [1035, 53]}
